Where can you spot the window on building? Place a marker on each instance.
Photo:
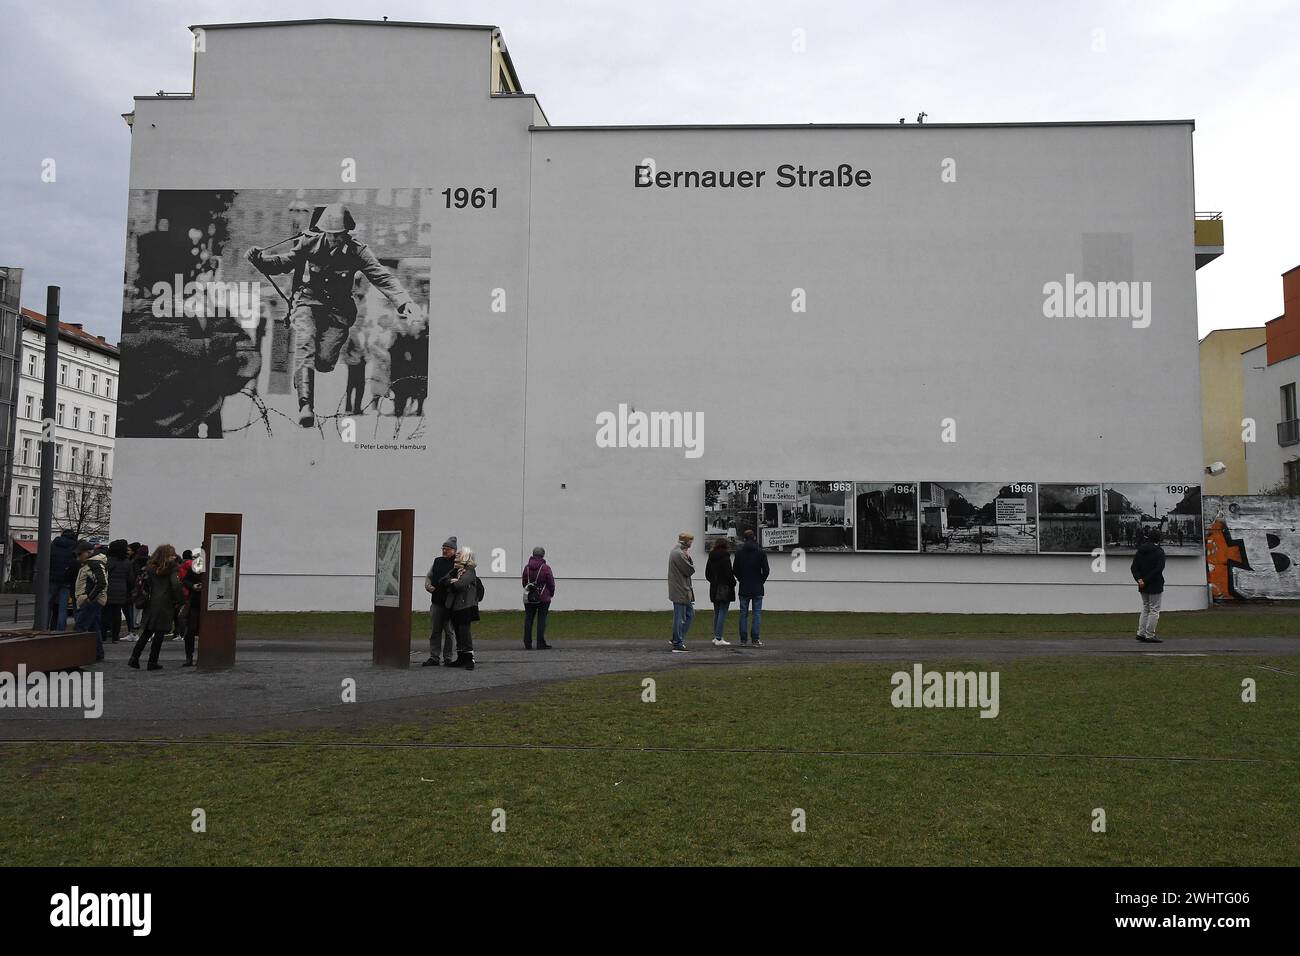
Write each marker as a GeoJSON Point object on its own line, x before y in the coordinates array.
{"type": "Point", "coordinates": [79, 378]}
{"type": "Point", "coordinates": [34, 502]}
{"type": "Point", "coordinates": [90, 419]}
{"type": "Point", "coordinates": [103, 463]}
{"type": "Point", "coordinates": [108, 387]}
{"type": "Point", "coordinates": [27, 451]}
{"type": "Point", "coordinates": [31, 363]}
{"type": "Point", "coordinates": [76, 417]}
{"type": "Point", "coordinates": [29, 406]}
{"type": "Point", "coordinates": [94, 382]}
{"type": "Point", "coordinates": [75, 458]}
{"type": "Point", "coordinates": [58, 416]}
{"type": "Point", "coordinates": [69, 503]}
{"type": "Point", "coordinates": [21, 504]}
{"type": "Point", "coordinates": [58, 457]}
{"type": "Point", "coordinates": [63, 373]}
{"type": "Point", "coordinates": [40, 448]}
{"type": "Point", "coordinates": [1292, 471]}
{"type": "Point", "coordinates": [1288, 429]}
{"type": "Point", "coordinates": [104, 429]}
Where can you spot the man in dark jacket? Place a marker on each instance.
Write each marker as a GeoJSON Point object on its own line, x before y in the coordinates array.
{"type": "Point", "coordinates": [120, 581]}
{"type": "Point", "coordinates": [751, 570]}
{"type": "Point", "coordinates": [63, 572]}
{"type": "Point", "coordinates": [436, 583]}
{"type": "Point", "coordinates": [1148, 569]}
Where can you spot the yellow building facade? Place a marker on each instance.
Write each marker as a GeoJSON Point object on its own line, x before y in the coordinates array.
{"type": "Point", "coordinates": [1222, 408]}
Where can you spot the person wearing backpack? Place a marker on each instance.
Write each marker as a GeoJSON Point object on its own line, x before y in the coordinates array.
{"type": "Point", "coordinates": [539, 588]}
{"type": "Point", "coordinates": [722, 588]}
{"type": "Point", "coordinates": [163, 595]}
{"type": "Point", "coordinates": [91, 593]}
{"type": "Point", "coordinates": [435, 582]}
{"type": "Point", "coordinates": [465, 591]}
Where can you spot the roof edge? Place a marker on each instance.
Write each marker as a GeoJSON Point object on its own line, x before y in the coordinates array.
{"type": "Point", "coordinates": [905, 126]}
{"type": "Point", "coordinates": [342, 21]}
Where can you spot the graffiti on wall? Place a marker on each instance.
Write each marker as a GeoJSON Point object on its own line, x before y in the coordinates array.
{"type": "Point", "coordinates": [1252, 546]}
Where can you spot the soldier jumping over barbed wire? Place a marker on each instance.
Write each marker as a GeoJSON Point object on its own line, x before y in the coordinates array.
{"type": "Point", "coordinates": [322, 308]}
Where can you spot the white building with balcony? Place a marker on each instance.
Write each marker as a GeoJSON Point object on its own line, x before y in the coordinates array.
{"type": "Point", "coordinates": [1270, 373]}
{"type": "Point", "coordinates": [84, 422]}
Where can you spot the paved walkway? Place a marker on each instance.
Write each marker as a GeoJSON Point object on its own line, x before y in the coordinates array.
{"type": "Point", "coordinates": [298, 684]}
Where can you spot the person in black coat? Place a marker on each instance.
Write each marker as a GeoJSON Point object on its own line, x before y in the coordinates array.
{"type": "Point", "coordinates": [751, 570]}
{"type": "Point", "coordinates": [139, 555]}
{"type": "Point", "coordinates": [120, 581]}
{"type": "Point", "coordinates": [437, 583]}
{"type": "Point", "coordinates": [63, 574]}
{"type": "Point", "coordinates": [1148, 570]}
{"type": "Point", "coordinates": [722, 588]}
{"type": "Point", "coordinates": [165, 595]}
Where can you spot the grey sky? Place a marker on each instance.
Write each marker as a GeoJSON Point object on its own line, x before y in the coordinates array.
{"type": "Point", "coordinates": [69, 69]}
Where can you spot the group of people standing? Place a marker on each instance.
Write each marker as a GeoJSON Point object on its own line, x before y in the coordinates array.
{"type": "Point", "coordinates": [743, 575]}
{"type": "Point", "coordinates": [455, 592]}
{"type": "Point", "coordinates": [122, 582]}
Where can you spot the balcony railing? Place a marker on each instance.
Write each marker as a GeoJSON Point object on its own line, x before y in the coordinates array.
{"type": "Point", "coordinates": [1288, 432]}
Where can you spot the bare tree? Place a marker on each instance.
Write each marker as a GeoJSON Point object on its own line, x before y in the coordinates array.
{"type": "Point", "coordinates": [86, 503]}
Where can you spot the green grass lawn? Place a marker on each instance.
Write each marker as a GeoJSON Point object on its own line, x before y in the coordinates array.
{"type": "Point", "coordinates": [736, 750]}
{"type": "Point", "coordinates": [646, 625]}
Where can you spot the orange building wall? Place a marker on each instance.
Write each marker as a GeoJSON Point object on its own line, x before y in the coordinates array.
{"type": "Point", "coordinates": [1284, 331]}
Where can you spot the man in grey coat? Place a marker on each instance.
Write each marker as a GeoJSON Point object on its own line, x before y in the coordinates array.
{"type": "Point", "coordinates": [680, 591]}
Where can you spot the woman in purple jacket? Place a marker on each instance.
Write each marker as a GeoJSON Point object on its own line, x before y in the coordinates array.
{"type": "Point", "coordinates": [539, 588]}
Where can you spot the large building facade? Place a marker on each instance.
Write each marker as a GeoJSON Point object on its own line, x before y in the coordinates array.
{"type": "Point", "coordinates": [961, 310]}
{"type": "Point", "coordinates": [11, 285]}
{"type": "Point", "coordinates": [84, 423]}
{"type": "Point", "coordinates": [1270, 375]}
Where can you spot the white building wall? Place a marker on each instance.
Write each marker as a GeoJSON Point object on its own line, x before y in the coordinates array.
{"type": "Point", "coordinates": [1262, 383]}
{"type": "Point", "coordinates": [924, 303]}
{"type": "Point", "coordinates": [95, 400]}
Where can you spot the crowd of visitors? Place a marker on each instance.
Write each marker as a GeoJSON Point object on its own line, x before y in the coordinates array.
{"type": "Point", "coordinates": [158, 594]}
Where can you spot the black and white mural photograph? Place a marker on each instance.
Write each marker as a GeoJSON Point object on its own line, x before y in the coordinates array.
{"type": "Point", "coordinates": [824, 513]}
{"type": "Point", "coordinates": [979, 517]}
{"type": "Point", "coordinates": [887, 516]}
{"type": "Point", "coordinates": [812, 515]}
{"type": "Point", "coordinates": [1069, 518]}
{"type": "Point", "coordinates": [730, 509]}
{"type": "Point", "coordinates": [262, 311]}
{"type": "Point", "coordinates": [1135, 510]}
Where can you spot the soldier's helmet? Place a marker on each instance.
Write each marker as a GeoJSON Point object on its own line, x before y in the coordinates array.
{"type": "Point", "coordinates": [335, 218]}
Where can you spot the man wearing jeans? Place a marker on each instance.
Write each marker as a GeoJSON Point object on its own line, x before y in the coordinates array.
{"type": "Point", "coordinates": [680, 590]}
{"type": "Point", "coordinates": [91, 592]}
{"type": "Point", "coordinates": [435, 582]}
{"type": "Point", "coordinates": [751, 570]}
{"type": "Point", "coordinates": [1148, 570]}
{"type": "Point", "coordinates": [63, 571]}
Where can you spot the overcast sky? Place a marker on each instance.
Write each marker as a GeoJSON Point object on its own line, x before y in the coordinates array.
{"type": "Point", "coordinates": [69, 69]}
